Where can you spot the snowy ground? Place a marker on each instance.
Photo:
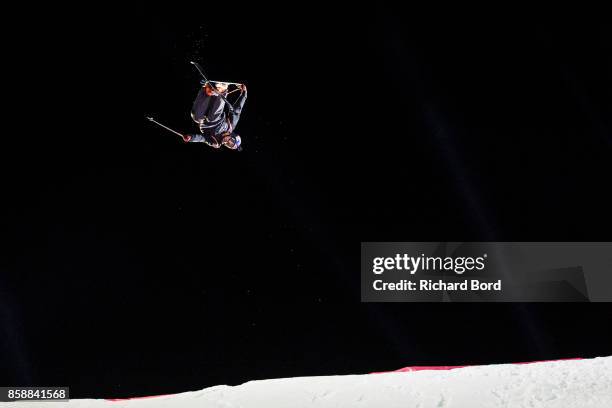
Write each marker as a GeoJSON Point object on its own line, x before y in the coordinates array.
{"type": "Point", "coordinates": [567, 384]}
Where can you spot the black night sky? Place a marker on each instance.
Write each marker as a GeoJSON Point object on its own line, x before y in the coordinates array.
{"type": "Point", "coordinates": [136, 264]}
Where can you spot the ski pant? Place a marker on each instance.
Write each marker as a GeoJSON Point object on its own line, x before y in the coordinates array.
{"type": "Point", "coordinates": [214, 136]}
{"type": "Point", "coordinates": [209, 109]}
{"type": "Point", "coordinates": [237, 110]}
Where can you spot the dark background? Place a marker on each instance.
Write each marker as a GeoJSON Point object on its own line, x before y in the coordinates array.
{"type": "Point", "coordinates": [136, 264]}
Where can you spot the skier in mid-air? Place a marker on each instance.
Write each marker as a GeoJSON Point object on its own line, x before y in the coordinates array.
{"type": "Point", "coordinates": [216, 116]}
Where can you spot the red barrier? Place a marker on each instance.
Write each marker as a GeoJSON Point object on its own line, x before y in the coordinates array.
{"type": "Point", "coordinates": [401, 370]}
{"type": "Point", "coordinates": [423, 368]}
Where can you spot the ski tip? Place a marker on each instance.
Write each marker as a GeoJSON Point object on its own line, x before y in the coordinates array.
{"type": "Point", "coordinates": [149, 118]}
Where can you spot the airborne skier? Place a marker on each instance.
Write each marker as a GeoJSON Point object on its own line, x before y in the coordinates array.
{"type": "Point", "coordinates": [216, 116]}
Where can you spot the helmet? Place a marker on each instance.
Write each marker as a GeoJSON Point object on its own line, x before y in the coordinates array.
{"type": "Point", "coordinates": [231, 141]}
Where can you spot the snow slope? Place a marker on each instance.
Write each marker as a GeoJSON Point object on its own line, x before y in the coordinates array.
{"type": "Point", "coordinates": [567, 384]}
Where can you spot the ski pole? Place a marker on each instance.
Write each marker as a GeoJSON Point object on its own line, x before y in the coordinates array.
{"type": "Point", "coordinates": [164, 126]}
{"type": "Point", "coordinates": [200, 70]}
